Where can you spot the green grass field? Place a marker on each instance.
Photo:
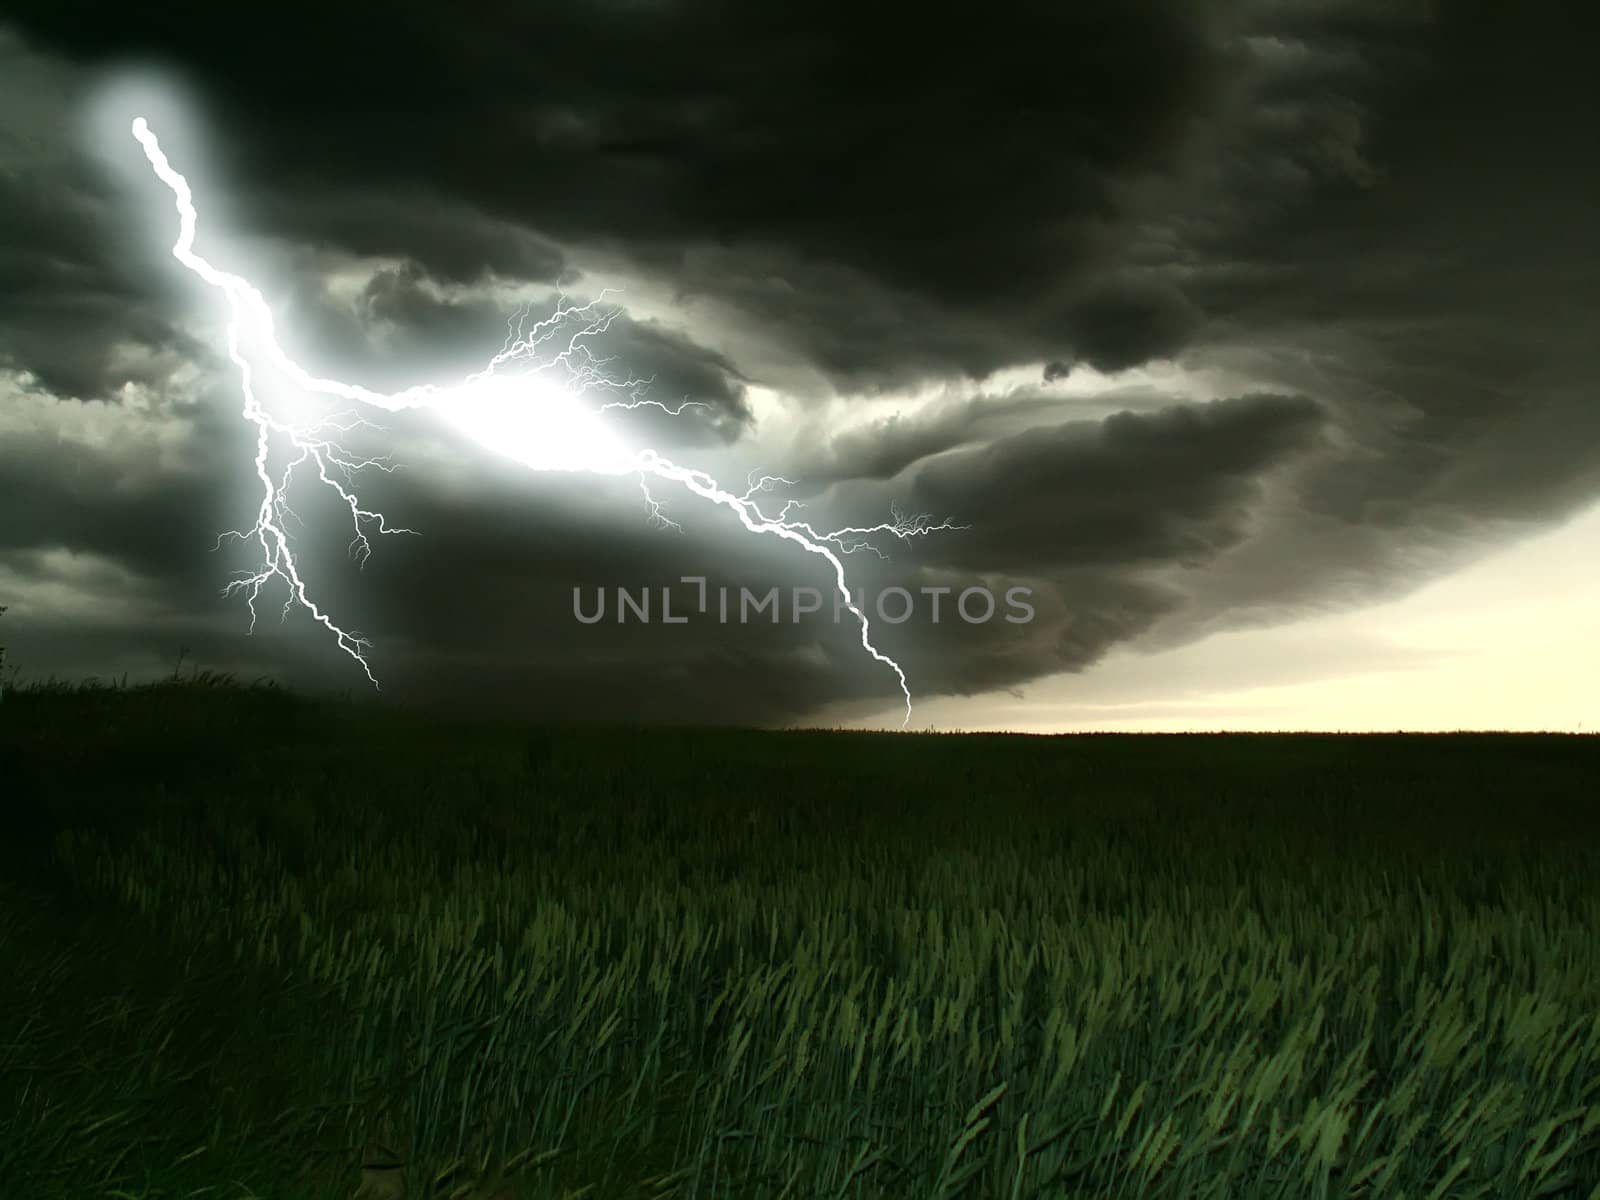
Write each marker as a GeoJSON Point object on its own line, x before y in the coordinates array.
{"type": "Point", "coordinates": [259, 946]}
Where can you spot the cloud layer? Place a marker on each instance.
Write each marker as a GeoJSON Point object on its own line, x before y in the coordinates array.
{"type": "Point", "coordinates": [1199, 316]}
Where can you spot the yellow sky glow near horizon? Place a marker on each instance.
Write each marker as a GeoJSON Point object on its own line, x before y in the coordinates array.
{"type": "Point", "coordinates": [1512, 642]}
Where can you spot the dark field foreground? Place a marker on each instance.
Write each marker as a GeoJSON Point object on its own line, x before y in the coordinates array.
{"type": "Point", "coordinates": [254, 946]}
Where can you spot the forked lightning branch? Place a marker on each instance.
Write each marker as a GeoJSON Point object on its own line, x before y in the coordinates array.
{"type": "Point", "coordinates": [534, 402]}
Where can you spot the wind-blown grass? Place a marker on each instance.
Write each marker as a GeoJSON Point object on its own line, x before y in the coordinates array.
{"type": "Point", "coordinates": [256, 938]}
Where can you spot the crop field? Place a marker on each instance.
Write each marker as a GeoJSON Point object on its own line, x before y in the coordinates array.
{"type": "Point", "coordinates": [256, 945]}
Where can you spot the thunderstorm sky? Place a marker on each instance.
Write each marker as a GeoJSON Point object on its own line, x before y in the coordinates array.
{"type": "Point", "coordinates": [1259, 338]}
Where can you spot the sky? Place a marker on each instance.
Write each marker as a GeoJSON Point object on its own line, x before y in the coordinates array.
{"type": "Point", "coordinates": [1254, 340]}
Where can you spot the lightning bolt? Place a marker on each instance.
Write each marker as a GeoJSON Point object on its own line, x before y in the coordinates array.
{"type": "Point", "coordinates": [559, 433]}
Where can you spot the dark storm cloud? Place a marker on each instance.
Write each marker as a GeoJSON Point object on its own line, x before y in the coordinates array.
{"type": "Point", "coordinates": [510, 641]}
{"type": "Point", "coordinates": [70, 306]}
{"type": "Point", "coordinates": [1124, 323]}
{"type": "Point", "coordinates": [1175, 486]}
{"type": "Point", "coordinates": [972, 172]}
{"type": "Point", "coordinates": [887, 447]}
{"type": "Point", "coordinates": [1443, 300]}
{"type": "Point", "coordinates": [710, 673]}
{"type": "Point", "coordinates": [882, 449]}
{"type": "Point", "coordinates": [451, 244]}
{"type": "Point", "coordinates": [1379, 226]}
{"type": "Point", "coordinates": [56, 493]}
{"type": "Point", "coordinates": [1097, 505]}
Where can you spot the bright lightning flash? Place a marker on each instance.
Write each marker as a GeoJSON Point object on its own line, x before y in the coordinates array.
{"type": "Point", "coordinates": [523, 413]}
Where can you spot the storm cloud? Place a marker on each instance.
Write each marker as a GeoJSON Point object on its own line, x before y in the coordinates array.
{"type": "Point", "coordinates": [1195, 316]}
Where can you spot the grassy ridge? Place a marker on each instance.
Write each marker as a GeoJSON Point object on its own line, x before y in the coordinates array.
{"type": "Point", "coordinates": [257, 934]}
